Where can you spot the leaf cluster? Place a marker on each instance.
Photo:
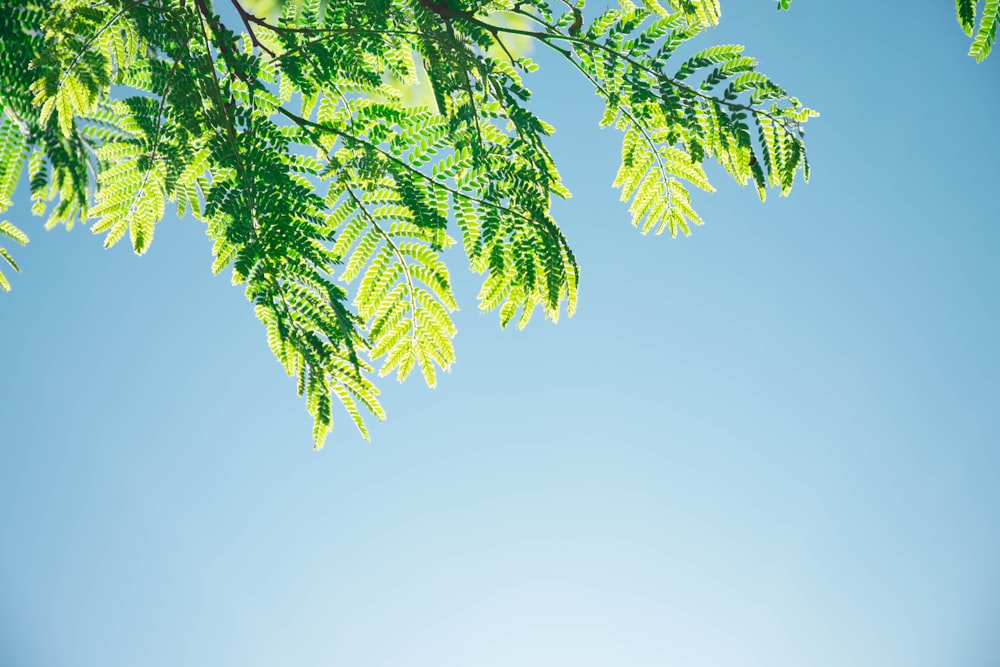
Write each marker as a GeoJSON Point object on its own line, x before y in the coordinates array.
{"type": "Point", "coordinates": [983, 37]}
{"type": "Point", "coordinates": [986, 34]}
{"type": "Point", "coordinates": [334, 199]}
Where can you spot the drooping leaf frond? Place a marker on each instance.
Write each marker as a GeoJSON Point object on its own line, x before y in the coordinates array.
{"type": "Point", "coordinates": [13, 150]}
{"type": "Point", "coordinates": [983, 37]}
{"type": "Point", "coordinates": [15, 234]}
{"type": "Point", "coordinates": [986, 35]}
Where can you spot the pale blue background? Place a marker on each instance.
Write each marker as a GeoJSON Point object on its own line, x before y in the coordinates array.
{"type": "Point", "coordinates": [775, 444]}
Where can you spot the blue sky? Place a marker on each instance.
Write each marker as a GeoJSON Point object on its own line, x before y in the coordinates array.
{"type": "Point", "coordinates": [774, 443]}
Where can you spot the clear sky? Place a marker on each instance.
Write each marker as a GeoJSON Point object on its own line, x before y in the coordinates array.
{"type": "Point", "coordinates": [775, 443]}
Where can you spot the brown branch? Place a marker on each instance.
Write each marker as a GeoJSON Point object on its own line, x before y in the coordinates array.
{"type": "Point", "coordinates": [249, 19]}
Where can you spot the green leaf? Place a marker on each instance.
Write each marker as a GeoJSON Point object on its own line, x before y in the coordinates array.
{"type": "Point", "coordinates": [982, 44]}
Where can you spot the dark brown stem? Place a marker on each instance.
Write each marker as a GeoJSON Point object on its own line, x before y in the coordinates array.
{"type": "Point", "coordinates": [249, 20]}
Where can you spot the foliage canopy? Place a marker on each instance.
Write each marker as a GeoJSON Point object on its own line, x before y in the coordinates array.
{"type": "Point", "coordinates": [330, 191]}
